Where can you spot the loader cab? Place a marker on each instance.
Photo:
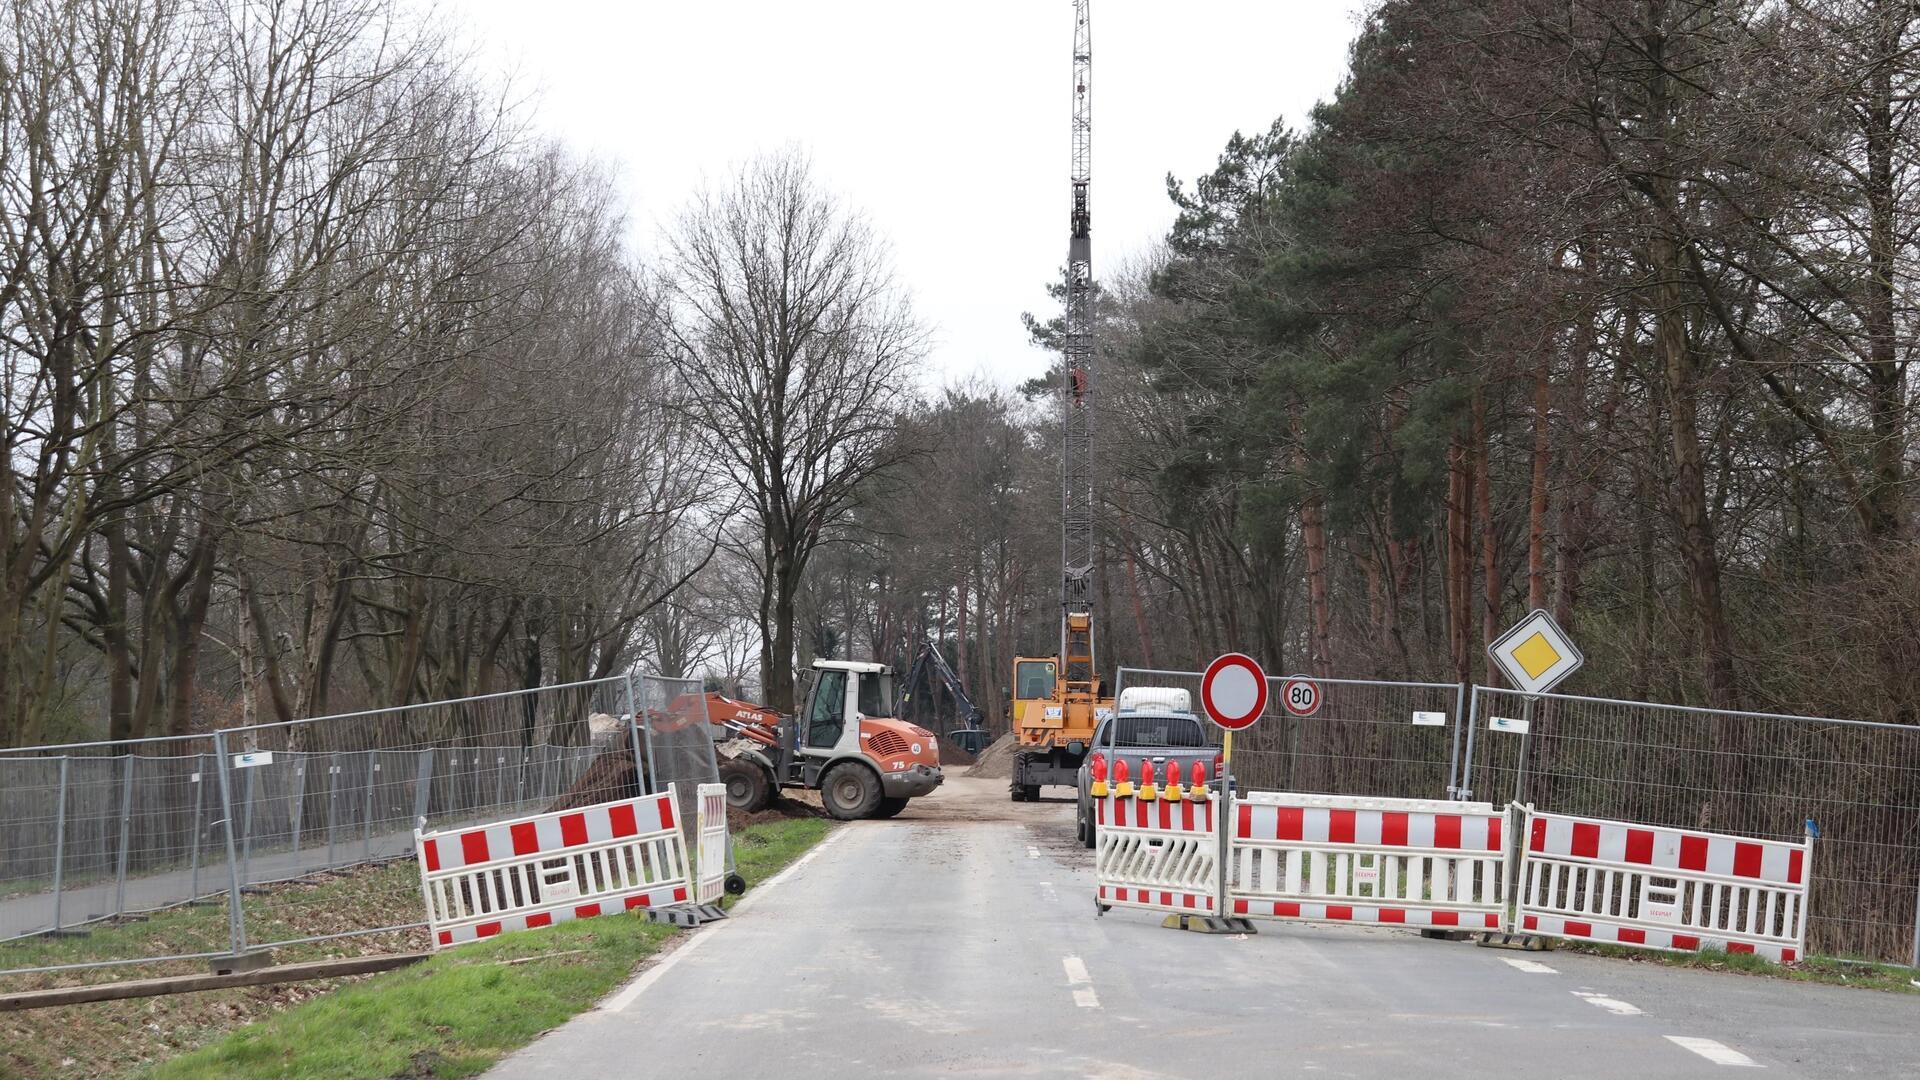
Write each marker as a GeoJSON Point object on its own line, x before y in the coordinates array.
{"type": "Point", "coordinates": [843, 691]}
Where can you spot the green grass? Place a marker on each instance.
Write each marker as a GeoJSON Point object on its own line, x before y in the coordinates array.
{"type": "Point", "coordinates": [1818, 969]}
{"type": "Point", "coordinates": [462, 1011]}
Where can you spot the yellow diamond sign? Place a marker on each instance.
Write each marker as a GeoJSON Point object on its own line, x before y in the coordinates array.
{"type": "Point", "coordinates": [1536, 654]}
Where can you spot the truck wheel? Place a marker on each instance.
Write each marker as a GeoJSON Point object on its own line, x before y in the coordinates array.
{"type": "Point", "coordinates": [1032, 793]}
{"type": "Point", "coordinates": [850, 792]}
{"type": "Point", "coordinates": [890, 805]}
{"type": "Point", "coordinates": [1017, 789]}
{"type": "Point", "coordinates": [749, 788]}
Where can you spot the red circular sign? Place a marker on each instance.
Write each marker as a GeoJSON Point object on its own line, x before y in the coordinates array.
{"type": "Point", "coordinates": [1234, 691]}
{"type": "Point", "coordinates": [1300, 696]}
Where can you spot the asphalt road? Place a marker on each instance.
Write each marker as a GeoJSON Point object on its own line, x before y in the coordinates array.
{"type": "Point", "coordinates": [961, 938]}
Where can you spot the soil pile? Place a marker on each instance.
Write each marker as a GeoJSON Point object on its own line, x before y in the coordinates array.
{"type": "Point", "coordinates": [951, 754]}
{"type": "Point", "coordinates": [783, 809]}
{"type": "Point", "coordinates": [996, 761]}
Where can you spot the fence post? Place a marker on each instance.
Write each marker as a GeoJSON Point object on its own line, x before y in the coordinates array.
{"type": "Point", "coordinates": [422, 787]}
{"type": "Point", "coordinates": [236, 925]}
{"type": "Point", "coordinates": [1526, 741]}
{"type": "Point", "coordinates": [1453, 754]}
{"type": "Point", "coordinates": [366, 806]}
{"type": "Point", "coordinates": [199, 798]}
{"type": "Point", "coordinates": [60, 839]}
{"type": "Point", "coordinates": [1465, 793]}
{"type": "Point", "coordinates": [333, 805]}
{"type": "Point", "coordinates": [299, 808]}
{"type": "Point", "coordinates": [246, 826]}
{"type": "Point", "coordinates": [647, 781]}
{"type": "Point", "coordinates": [126, 835]}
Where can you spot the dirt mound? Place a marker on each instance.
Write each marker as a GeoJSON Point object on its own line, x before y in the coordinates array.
{"type": "Point", "coordinates": [783, 809]}
{"type": "Point", "coordinates": [996, 761]}
{"type": "Point", "coordinates": [952, 754]}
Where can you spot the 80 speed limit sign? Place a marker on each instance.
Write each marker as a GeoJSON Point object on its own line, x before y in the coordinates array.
{"type": "Point", "coordinates": [1300, 695]}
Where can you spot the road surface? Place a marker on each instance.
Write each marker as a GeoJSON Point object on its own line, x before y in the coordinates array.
{"type": "Point", "coordinates": [961, 938]}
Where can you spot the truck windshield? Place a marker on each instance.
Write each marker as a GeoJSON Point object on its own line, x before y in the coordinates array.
{"type": "Point", "coordinates": [1153, 731]}
{"type": "Point", "coordinates": [876, 697]}
{"type": "Point", "coordinates": [1035, 681]}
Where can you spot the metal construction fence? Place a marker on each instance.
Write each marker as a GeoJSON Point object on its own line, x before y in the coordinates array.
{"type": "Point", "coordinates": [277, 834]}
{"type": "Point", "coordinates": [1362, 740]}
{"type": "Point", "coordinates": [1758, 774]}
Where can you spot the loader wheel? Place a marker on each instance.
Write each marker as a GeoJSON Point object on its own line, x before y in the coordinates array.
{"type": "Point", "coordinates": [749, 788]}
{"type": "Point", "coordinates": [850, 792]}
{"type": "Point", "coordinates": [1016, 789]}
{"type": "Point", "coordinates": [735, 884]}
{"type": "Point", "coordinates": [890, 805]}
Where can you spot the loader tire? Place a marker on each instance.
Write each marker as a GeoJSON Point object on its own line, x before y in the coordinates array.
{"type": "Point", "coordinates": [890, 805]}
{"type": "Point", "coordinates": [749, 788]}
{"type": "Point", "coordinates": [850, 792]}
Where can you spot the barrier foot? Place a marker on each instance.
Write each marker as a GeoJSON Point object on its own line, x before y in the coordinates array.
{"type": "Point", "coordinates": [1209, 924]}
{"type": "Point", "coordinates": [686, 915]}
{"type": "Point", "coordinates": [238, 962]}
{"type": "Point", "coordinates": [1522, 942]}
{"type": "Point", "coordinates": [1446, 935]}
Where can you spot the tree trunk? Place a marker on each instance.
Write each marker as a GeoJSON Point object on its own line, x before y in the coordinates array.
{"type": "Point", "coordinates": [1489, 533]}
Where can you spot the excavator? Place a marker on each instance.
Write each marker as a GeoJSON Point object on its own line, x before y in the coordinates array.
{"type": "Point", "coordinates": [844, 744]}
{"type": "Point", "coordinates": [1058, 700]}
{"type": "Point", "coordinates": [929, 664]}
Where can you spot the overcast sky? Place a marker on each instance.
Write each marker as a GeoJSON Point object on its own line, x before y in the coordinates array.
{"type": "Point", "coordinates": [944, 123]}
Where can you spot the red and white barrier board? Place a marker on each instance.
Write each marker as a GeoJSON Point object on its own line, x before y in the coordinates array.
{"type": "Point", "coordinates": [710, 849]}
{"type": "Point", "coordinates": [1405, 862]}
{"type": "Point", "coordinates": [1161, 854]}
{"type": "Point", "coordinates": [548, 868]}
{"type": "Point", "coordinates": [1660, 888]}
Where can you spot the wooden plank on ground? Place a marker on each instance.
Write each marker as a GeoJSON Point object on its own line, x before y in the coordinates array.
{"type": "Point", "coordinates": [186, 984]}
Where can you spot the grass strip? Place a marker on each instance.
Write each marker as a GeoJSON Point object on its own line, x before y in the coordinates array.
{"type": "Point", "coordinates": [462, 1011]}
{"type": "Point", "coordinates": [1817, 969]}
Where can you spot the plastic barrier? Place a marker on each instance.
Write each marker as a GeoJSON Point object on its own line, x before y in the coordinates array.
{"type": "Point", "coordinates": [1406, 862]}
{"type": "Point", "coordinates": [548, 868]}
{"type": "Point", "coordinates": [1656, 888]}
{"type": "Point", "coordinates": [711, 847]}
{"type": "Point", "coordinates": [1157, 850]}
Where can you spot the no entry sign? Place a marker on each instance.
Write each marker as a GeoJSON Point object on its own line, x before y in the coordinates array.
{"type": "Point", "coordinates": [1234, 691]}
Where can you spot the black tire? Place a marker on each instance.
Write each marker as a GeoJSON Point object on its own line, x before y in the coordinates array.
{"type": "Point", "coordinates": [1016, 790]}
{"type": "Point", "coordinates": [749, 788]}
{"type": "Point", "coordinates": [735, 884]}
{"type": "Point", "coordinates": [1031, 793]}
{"type": "Point", "coordinates": [850, 792]}
{"type": "Point", "coordinates": [1086, 834]}
{"type": "Point", "coordinates": [890, 805]}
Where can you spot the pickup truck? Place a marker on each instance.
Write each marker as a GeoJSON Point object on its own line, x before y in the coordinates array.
{"type": "Point", "coordinates": [1162, 736]}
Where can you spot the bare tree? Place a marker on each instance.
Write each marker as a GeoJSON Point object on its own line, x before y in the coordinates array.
{"type": "Point", "coordinates": [796, 346]}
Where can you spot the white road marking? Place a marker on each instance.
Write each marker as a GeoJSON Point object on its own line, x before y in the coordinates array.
{"type": "Point", "coordinates": [1082, 982]}
{"type": "Point", "coordinates": [1531, 967]}
{"type": "Point", "coordinates": [1033, 852]}
{"type": "Point", "coordinates": [1612, 1005]}
{"type": "Point", "coordinates": [632, 991]}
{"type": "Point", "coordinates": [1718, 1053]}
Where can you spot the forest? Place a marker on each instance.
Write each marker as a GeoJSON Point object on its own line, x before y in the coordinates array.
{"type": "Point", "coordinates": [330, 383]}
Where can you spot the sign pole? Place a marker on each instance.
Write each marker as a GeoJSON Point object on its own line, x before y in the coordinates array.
{"type": "Point", "coordinates": [1526, 743]}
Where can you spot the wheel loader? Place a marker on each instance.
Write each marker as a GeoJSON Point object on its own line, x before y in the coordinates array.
{"type": "Point", "coordinates": [844, 744]}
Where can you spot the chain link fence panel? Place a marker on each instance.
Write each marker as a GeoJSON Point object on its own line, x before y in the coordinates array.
{"type": "Point", "coordinates": [1752, 774]}
{"type": "Point", "coordinates": [1362, 740]}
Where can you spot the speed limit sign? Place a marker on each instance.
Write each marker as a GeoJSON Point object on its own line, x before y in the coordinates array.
{"type": "Point", "coordinates": [1300, 695]}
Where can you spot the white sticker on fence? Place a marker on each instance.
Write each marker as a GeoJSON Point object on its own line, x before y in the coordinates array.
{"type": "Point", "coordinates": [249, 760]}
{"type": "Point", "coordinates": [1429, 719]}
{"type": "Point", "coordinates": [1508, 724]}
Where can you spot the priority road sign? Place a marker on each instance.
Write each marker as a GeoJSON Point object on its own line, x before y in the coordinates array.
{"type": "Point", "coordinates": [1536, 654]}
{"type": "Point", "coordinates": [1300, 695]}
{"type": "Point", "coordinates": [1234, 691]}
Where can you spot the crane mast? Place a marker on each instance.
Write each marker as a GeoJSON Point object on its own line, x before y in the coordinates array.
{"type": "Point", "coordinates": [1076, 391]}
{"type": "Point", "coordinates": [1056, 702]}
